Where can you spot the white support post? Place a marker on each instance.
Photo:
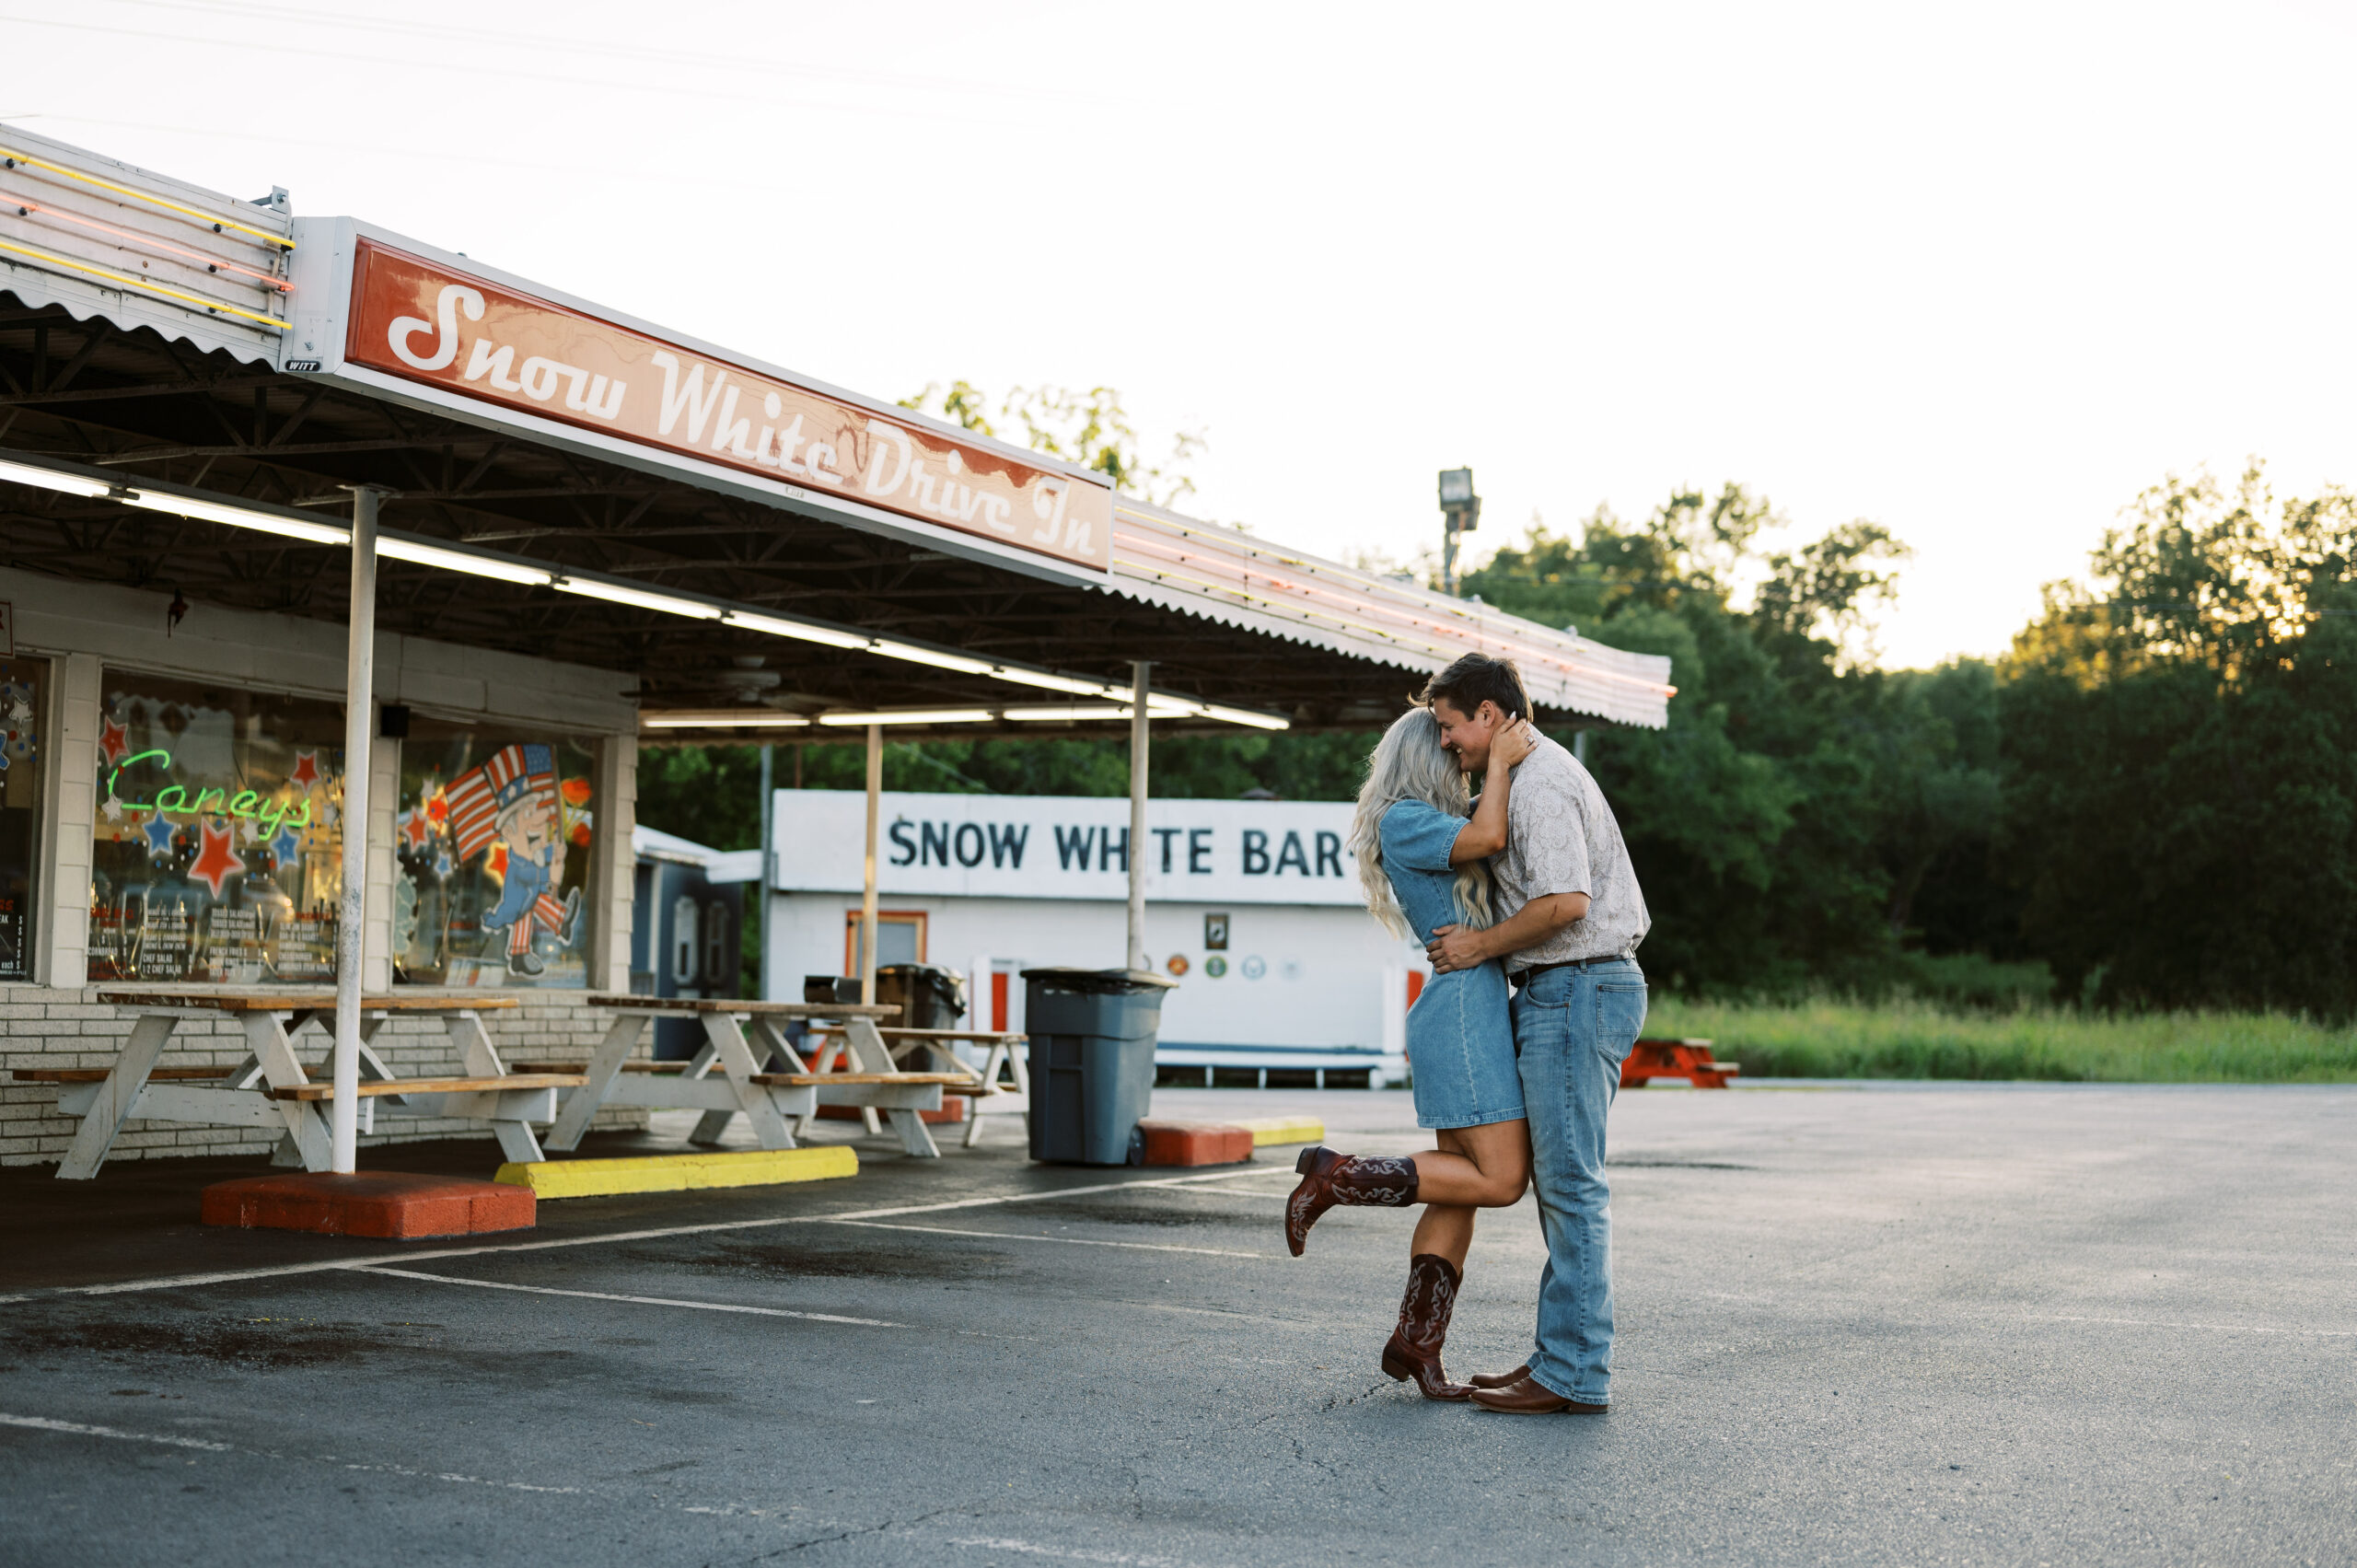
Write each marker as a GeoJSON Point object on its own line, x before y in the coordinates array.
{"type": "Point", "coordinates": [1141, 673]}
{"type": "Point", "coordinates": [868, 885]}
{"type": "Point", "coordinates": [359, 728]}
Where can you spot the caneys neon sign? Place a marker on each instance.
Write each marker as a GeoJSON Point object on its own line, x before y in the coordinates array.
{"type": "Point", "coordinates": [211, 800]}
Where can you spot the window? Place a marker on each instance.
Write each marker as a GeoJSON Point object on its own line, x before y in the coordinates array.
{"type": "Point", "coordinates": [715, 941]}
{"type": "Point", "coordinates": [900, 938]}
{"type": "Point", "coordinates": [219, 842]}
{"type": "Point", "coordinates": [23, 690]}
{"type": "Point", "coordinates": [492, 843]}
{"type": "Point", "coordinates": [683, 940]}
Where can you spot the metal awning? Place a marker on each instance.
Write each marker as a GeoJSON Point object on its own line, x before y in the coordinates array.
{"type": "Point", "coordinates": [195, 343]}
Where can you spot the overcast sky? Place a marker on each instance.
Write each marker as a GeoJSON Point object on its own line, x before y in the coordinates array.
{"type": "Point", "coordinates": [1979, 274]}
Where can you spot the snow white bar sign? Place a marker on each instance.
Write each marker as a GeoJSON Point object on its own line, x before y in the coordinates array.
{"type": "Point", "coordinates": [416, 318]}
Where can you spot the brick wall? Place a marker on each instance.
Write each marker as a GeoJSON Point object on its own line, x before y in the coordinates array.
{"type": "Point", "coordinates": [42, 1027]}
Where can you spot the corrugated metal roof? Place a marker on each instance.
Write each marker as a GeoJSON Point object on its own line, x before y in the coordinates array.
{"type": "Point", "coordinates": [1240, 579]}
{"type": "Point", "coordinates": [105, 239]}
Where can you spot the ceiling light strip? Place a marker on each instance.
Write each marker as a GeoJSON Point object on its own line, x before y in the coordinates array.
{"type": "Point", "coordinates": [50, 479]}
{"type": "Point", "coordinates": [506, 569]}
{"type": "Point", "coordinates": [908, 716]}
{"type": "Point", "coordinates": [640, 599]}
{"type": "Point", "coordinates": [303, 528]}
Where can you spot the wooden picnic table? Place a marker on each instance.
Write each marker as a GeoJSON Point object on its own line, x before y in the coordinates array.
{"type": "Point", "coordinates": [269, 1089]}
{"type": "Point", "coordinates": [985, 1094]}
{"type": "Point", "coordinates": [763, 1077]}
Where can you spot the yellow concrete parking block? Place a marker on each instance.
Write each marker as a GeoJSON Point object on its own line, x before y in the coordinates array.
{"type": "Point", "coordinates": [1271, 1129]}
{"type": "Point", "coordinates": [678, 1173]}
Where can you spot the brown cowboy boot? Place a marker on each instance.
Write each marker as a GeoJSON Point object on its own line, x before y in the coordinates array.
{"type": "Point", "coordinates": [1327, 1178]}
{"type": "Point", "coordinates": [1500, 1379]}
{"type": "Point", "coordinates": [1414, 1348]}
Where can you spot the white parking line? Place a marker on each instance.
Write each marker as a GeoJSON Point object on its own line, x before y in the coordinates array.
{"type": "Point", "coordinates": [640, 1300]}
{"type": "Point", "coordinates": [283, 1270]}
{"type": "Point", "coordinates": [2207, 1328]}
{"type": "Point", "coordinates": [1066, 1240]}
{"type": "Point", "coordinates": [82, 1429]}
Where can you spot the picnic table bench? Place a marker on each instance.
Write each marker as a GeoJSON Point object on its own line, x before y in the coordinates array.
{"type": "Point", "coordinates": [1687, 1059]}
{"type": "Point", "coordinates": [272, 1090]}
{"type": "Point", "coordinates": [980, 1086]}
{"type": "Point", "coordinates": [763, 1078]}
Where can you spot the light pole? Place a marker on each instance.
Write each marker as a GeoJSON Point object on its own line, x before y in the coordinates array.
{"type": "Point", "coordinates": [1461, 511]}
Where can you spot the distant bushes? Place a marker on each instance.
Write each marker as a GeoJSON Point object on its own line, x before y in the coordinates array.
{"type": "Point", "coordinates": [1916, 1038]}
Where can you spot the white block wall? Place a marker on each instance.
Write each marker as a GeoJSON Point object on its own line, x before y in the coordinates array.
{"type": "Point", "coordinates": [60, 1022]}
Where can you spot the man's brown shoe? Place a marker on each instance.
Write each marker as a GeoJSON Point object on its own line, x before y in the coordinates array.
{"type": "Point", "coordinates": [1500, 1379]}
{"type": "Point", "coordinates": [1529, 1397]}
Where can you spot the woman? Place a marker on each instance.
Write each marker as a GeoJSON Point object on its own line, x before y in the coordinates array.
{"type": "Point", "coordinates": [1421, 862]}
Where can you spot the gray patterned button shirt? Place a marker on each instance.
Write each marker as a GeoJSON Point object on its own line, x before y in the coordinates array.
{"type": "Point", "coordinates": [1562, 838]}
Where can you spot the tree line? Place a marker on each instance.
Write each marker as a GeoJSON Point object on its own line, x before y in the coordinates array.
{"type": "Point", "coordinates": [2149, 801]}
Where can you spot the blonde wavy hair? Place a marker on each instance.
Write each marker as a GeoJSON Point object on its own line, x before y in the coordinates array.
{"type": "Point", "coordinates": [1410, 763]}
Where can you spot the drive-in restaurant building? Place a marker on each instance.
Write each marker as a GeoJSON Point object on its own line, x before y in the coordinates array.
{"type": "Point", "coordinates": [252, 464]}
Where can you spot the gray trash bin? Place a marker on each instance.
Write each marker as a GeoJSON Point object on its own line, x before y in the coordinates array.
{"type": "Point", "coordinates": [1092, 1062]}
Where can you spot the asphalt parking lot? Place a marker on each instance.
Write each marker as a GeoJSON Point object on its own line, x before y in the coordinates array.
{"type": "Point", "coordinates": [1919, 1324]}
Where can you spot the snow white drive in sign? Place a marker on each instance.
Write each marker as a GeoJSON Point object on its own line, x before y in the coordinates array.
{"type": "Point", "coordinates": [424, 322]}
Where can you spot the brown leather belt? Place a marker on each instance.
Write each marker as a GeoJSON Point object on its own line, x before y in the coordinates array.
{"type": "Point", "coordinates": [1521, 978]}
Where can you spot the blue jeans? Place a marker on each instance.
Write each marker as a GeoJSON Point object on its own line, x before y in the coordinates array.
{"type": "Point", "coordinates": [1573, 1028]}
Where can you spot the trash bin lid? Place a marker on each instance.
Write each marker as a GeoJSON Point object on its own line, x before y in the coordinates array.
{"type": "Point", "coordinates": [1103, 983]}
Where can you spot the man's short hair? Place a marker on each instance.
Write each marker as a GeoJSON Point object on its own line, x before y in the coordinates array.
{"type": "Point", "coordinates": [1477, 679]}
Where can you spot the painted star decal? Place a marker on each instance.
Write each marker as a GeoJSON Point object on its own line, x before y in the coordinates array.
{"type": "Point", "coordinates": [444, 866]}
{"type": "Point", "coordinates": [437, 807]}
{"type": "Point", "coordinates": [114, 739]}
{"type": "Point", "coordinates": [283, 847]}
{"type": "Point", "coordinates": [159, 835]}
{"type": "Point", "coordinates": [413, 828]}
{"type": "Point", "coordinates": [218, 862]}
{"type": "Point", "coordinates": [113, 808]}
{"type": "Point", "coordinates": [307, 769]}
{"type": "Point", "coordinates": [496, 862]}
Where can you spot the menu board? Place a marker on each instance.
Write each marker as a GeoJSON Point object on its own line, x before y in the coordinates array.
{"type": "Point", "coordinates": [492, 843]}
{"type": "Point", "coordinates": [23, 691]}
{"type": "Point", "coordinates": [219, 843]}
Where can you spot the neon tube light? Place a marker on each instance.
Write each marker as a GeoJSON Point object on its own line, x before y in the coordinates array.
{"type": "Point", "coordinates": [126, 280]}
{"type": "Point", "coordinates": [212, 219]}
{"type": "Point", "coordinates": [149, 242]}
{"type": "Point", "coordinates": [638, 597]}
{"type": "Point", "coordinates": [460, 561]}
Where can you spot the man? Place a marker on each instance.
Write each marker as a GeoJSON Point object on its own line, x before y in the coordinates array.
{"type": "Point", "coordinates": [1570, 917]}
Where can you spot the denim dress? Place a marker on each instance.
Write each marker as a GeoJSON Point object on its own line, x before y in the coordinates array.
{"type": "Point", "coordinates": [1460, 1035]}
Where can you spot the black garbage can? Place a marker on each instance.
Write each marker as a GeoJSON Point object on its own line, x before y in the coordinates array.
{"type": "Point", "coordinates": [1092, 1062]}
{"type": "Point", "coordinates": [929, 996]}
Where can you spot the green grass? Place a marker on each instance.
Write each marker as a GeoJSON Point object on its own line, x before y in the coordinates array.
{"type": "Point", "coordinates": [1904, 1039]}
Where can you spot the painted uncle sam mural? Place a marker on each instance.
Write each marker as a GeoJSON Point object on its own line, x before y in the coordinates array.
{"type": "Point", "coordinates": [508, 810]}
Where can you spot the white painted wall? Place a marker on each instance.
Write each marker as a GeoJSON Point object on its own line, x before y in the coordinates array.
{"type": "Point", "coordinates": [1324, 971]}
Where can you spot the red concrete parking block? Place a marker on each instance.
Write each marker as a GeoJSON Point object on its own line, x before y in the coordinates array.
{"type": "Point", "coordinates": [1196, 1143]}
{"type": "Point", "coordinates": [382, 1204]}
